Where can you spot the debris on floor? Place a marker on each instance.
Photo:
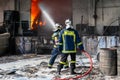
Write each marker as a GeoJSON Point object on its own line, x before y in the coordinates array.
{"type": "Point", "coordinates": [35, 68]}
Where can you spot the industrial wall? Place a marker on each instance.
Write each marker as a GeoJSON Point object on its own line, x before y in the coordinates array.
{"type": "Point", "coordinates": [19, 5]}
{"type": "Point", "coordinates": [5, 5]}
{"type": "Point", "coordinates": [25, 9]}
{"type": "Point", "coordinates": [107, 11]}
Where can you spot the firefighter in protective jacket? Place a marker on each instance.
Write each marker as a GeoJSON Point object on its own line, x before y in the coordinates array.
{"type": "Point", "coordinates": [55, 50]}
{"type": "Point", "coordinates": [69, 40]}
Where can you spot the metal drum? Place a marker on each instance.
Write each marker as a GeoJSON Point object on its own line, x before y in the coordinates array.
{"type": "Point", "coordinates": [108, 61]}
{"type": "Point", "coordinates": [118, 60]}
{"type": "Point", "coordinates": [27, 45]}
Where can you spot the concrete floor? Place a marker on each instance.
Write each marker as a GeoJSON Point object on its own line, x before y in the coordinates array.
{"type": "Point", "coordinates": [34, 67]}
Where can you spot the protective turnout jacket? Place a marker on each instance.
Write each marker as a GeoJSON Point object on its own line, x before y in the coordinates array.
{"type": "Point", "coordinates": [55, 37]}
{"type": "Point", "coordinates": [69, 40]}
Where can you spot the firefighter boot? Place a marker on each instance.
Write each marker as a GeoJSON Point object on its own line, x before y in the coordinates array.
{"type": "Point", "coordinates": [66, 65]}
{"type": "Point", "coordinates": [59, 67]}
{"type": "Point", "coordinates": [72, 68]}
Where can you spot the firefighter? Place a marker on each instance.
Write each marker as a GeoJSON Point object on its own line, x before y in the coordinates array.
{"type": "Point", "coordinates": [55, 50]}
{"type": "Point", "coordinates": [69, 40]}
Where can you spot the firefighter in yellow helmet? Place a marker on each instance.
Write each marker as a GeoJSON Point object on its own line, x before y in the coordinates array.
{"type": "Point", "coordinates": [55, 50]}
{"type": "Point", "coordinates": [69, 40]}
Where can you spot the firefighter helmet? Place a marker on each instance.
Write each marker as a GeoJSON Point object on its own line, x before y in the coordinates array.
{"type": "Point", "coordinates": [58, 27]}
{"type": "Point", "coordinates": [67, 22]}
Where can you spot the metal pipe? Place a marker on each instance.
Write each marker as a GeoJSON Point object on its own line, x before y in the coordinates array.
{"type": "Point", "coordinates": [95, 14]}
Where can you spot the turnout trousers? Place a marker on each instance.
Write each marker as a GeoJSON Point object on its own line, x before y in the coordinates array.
{"type": "Point", "coordinates": [63, 61]}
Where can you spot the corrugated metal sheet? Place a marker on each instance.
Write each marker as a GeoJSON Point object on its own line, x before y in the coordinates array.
{"type": "Point", "coordinates": [112, 41]}
{"type": "Point", "coordinates": [23, 44]}
{"type": "Point", "coordinates": [92, 44]}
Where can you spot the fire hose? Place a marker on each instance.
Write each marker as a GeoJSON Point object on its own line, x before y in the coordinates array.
{"type": "Point", "coordinates": [83, 75]}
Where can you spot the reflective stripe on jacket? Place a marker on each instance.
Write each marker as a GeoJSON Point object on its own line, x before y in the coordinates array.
{"type": "Point", "coordinates": [69, 40]}
{"type": "Point", "coordinates": [55, 37]}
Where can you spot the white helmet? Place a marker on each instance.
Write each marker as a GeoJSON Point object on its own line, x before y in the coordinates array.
{"type": "Point", "coordinates": [57, 27]}
{"type": "Point", "coordinates": [67, 22]}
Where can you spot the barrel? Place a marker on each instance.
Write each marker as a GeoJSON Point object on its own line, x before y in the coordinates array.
{"type": "Point", "coordinates": [27, 45]}
{"type": "Point", "coordinates": [108, 61]}
{"type": "Point", "coordinates": [118, 60]}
